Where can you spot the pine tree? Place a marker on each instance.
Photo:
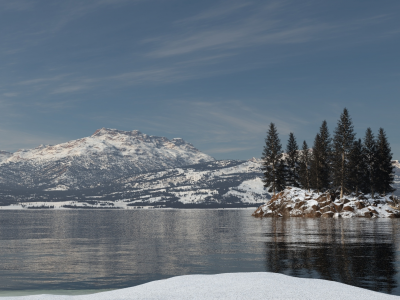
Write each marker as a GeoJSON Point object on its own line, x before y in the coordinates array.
{"type": "Point", "coordinates": [385, 168]}
{"type": "Point", "coordinates": [358, 178]}
{"type": "Point", "coordinates": [273, 166]}
{"type": "Point", "coordinates": [325, 153]}
{"type": "Point", "coordinates": [304, 167]}
{"type": "Point", "coordinates": [292, 162]}
{"type": "Point", "coordinates": [316, 170]}
{"type": "Point", "coordinates": [370, 161]}
{"type": "Point", "coordinates": [343, 142]}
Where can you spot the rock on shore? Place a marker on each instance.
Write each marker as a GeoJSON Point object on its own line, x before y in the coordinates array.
{"type": "Point", "coordinates": [295, 202]}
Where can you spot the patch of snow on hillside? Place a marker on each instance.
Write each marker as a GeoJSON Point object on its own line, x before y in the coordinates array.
{"type": "Point", "coordinates": [249, 191]}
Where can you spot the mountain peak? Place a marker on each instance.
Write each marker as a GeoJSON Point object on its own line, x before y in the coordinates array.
{"type": "Point", "coordinates": [111, 131]}
{"type": "Point", "coordinates": [106, 154]}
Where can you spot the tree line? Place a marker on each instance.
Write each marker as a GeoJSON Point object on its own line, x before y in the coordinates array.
{"type": "Point", "coordinates": [341, 164]}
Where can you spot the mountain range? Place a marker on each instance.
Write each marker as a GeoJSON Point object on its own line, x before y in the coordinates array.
{"type": "Point", "coordinates": [128, 169]}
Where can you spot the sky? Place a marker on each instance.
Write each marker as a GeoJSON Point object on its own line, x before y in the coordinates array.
{"type": "Point", "coordinates": [215, 73]}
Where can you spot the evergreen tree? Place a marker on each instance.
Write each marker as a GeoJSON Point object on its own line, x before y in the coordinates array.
{"type": "Point", "coordinates": [273, 166]}
{"type": "Point", "coordinates": [370, 161]}
{"type": "Point", "coordinates": [316, 170]}
{"type": "Point", "coordinates": [304, 167]}
{"type": "Point", "coordinates": [292, 162]}
{"type": "Point", "coordinates": [343, 143]}
{"type": "Point", "coordinates": [385, 168]}
{"type": "Point", "coordinates": [325, 153]}
{"type": "Point", "coordinates": [358, 177]}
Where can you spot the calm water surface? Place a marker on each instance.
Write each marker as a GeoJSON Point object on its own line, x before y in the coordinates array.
{"type": "Point", "coordinates": [95, 250]}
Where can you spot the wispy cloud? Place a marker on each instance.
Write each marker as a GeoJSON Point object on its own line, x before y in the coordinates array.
{"type": "Point", "coordinates": [222, 9]}
{"type": "Point", "coordinates": [42, 80]}
{"type": "Point", "coordinates": [262, 25]}
{"type": "Point", "coordinates": [272, 24]}
{"type": "Point", "coordinates": [70, 89]}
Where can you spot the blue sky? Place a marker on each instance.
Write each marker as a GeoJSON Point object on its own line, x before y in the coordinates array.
{"type": "Point", "coordinates": [215, 73]}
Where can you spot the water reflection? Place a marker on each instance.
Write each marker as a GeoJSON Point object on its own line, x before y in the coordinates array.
{"type": "Point", "coordinates": [356, 252]}
{"type": "Point", "coordinates": [116, 249]}
{"type": "Point", "coordinates": [49, 249]}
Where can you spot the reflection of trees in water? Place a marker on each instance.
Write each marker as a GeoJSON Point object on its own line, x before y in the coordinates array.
{"type": "Point", "coordinates": [330, 255]}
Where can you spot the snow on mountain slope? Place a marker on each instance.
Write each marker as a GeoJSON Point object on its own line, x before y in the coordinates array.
{"type": "Point", "coordinates": [133, 145]}
{"type": "Point", "coordinates": [4, 155]}
{"type": "Point", "coordinates": [227, 183]}
{"type": "Point", "coordinates": [94, 160]}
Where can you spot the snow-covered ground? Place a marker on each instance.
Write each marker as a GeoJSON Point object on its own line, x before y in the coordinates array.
{"type": "Point", "coordinates": [231, 286]}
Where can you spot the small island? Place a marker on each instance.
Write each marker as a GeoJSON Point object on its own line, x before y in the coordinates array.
{"type": "Point", "coordinates": [337, 177]}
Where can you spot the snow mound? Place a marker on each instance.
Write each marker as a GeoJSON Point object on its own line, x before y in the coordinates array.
{"type": "Point", "coordinates": [231, 286]}
{"type": "Point", "coordinates": [296, 202]}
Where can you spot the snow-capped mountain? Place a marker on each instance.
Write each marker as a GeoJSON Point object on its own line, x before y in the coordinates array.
{"type": "Point", "coordinates": [90, 161]}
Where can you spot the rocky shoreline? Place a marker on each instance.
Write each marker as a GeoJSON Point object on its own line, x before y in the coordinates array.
{"type": "Point", "coordinates": [296, 202]}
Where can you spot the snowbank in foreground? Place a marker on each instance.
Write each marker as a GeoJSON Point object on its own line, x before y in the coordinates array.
{"type": "Point", "coordinates": [295, 202]}
{"type": "Point", "coordinates": [232, 286]}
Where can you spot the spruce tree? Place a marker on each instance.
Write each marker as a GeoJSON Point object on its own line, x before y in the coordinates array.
{"type": "Point", "coordinates": [273, 166]}
{"type": "Point", "coordinates": [292, 162]}
{"type": "Point", "coordinates": [385, 168]}
{"type": "Point", "coordinates": [371, 161]}
{"type": "Point", "coordinates": [325, 153]}
{"type": "Point", "coordinates": [304, 167]}
{"type": "Point", "coordinates": [358, 178]}
{"type": "Point", "coordinates": [343, 142]}
{"type": "Point", "coordinates": [316, 171]}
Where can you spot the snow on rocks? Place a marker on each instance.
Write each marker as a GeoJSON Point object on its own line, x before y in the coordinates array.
{"type": "Point", "coordinates": [296, 202]}
{"type": "Point", "coordinates": [258, 285]}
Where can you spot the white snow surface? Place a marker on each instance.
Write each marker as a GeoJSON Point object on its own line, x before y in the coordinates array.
{"type": "Point", "coordinates": [127, 144]}
{"type": "Point", "coordinates": [261, 285]}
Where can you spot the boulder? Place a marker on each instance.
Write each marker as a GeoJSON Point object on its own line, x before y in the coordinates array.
{"type": "Point", "coordinates": [325, 209]}
{"type": "Point", "coordinates": [348, 208]}
{"type": "Point", "coordinates": [338, 206]}
{"type": "Point", "coordinates": [345, 200]}
{"type": "Point", "coordinates": [367, 214]}
{"type": "Point", "coordinates": [299, 204]}
{"type": "Point", "coordinates": [328, 214]}
{"type": "Point", "coordinates": [359, 204]}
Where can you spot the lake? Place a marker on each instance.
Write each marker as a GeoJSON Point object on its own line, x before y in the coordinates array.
{"type": "Point", "coordinates": [82, 251]}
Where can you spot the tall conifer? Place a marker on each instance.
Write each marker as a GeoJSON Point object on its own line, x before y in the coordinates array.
{"type": "Point", "coordinates": [325, 155]}
{"type": "Point", "coordinates": [371, 161]}
{"type": "Point", "coordinates": [304, 167]}
{"type": "Point", "coordinates": [316, 170]}
{"type": "Point", "coordinates": [273, 167]}
{"type": "Point", "coordinates": [292, 162]}
{"type": "Point", "coordinates": [343, 143]}
{"type": "Point", "coordinates": [358, 179]}
{"type": "Point", "coordinates": [385, 168]}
